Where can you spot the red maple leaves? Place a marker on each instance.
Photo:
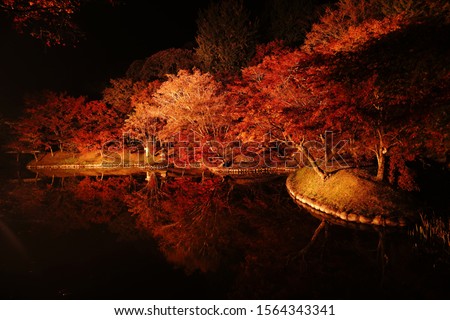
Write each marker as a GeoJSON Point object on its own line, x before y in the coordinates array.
{"type": "Point", "coordinates": [373, 74]}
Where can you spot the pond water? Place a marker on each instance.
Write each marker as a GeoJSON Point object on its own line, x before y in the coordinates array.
{"type": "Point", "coordinates": [192, 237]}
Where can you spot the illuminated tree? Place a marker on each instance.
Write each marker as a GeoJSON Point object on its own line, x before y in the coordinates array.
{"type": "Point", "coordinates": [49, 121]}
{"type": "Point", "coordinates": [96, 123]}
{"type": "Point", "coordinates": [352, 24]}
{"type": "Point", "coordinates": [60, 122]}
{"type": "Point", "coordinates": [401, 129]}
{"type": "Point", "coordinates": [368, 71]}
{"type": "Point", "coordinates": [29, 138]}
{"type": "Point", "coordinates": [290, 96]}
{"type": "Point", "coordinates": [225, 37]}
{"type": "Point", "coordinates": [191, 102]}
{"type": "Point", "coordinates": [334, 32]}
{"type": "Point", "coordinates": [144, 122]}
{"type": "Point", "coordinates": [118, 94]}
{"type": "Point", "coordinates": [396, 83]}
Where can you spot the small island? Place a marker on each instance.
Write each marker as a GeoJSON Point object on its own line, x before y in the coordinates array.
{"type": "Point", "coordinates": [353, 196]}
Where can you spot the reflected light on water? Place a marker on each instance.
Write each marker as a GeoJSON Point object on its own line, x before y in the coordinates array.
{"type": "Point", "coordinates": [162, 236]}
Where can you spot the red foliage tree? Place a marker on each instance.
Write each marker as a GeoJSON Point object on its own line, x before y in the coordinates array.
{"type": "Point", "coordinates": [51, 21]}
{"type": "Point", "coordinates": [144, 122]}
{"type": "Point", "coordinates": [57, 121]}
{"type": "Point", "coordinates": [381, 75]}
{"type": "Point", "coordinates": [399, 91]}
{"type": "Point", "coordinates": [191, 101]}
{"type": "Point", "coordinates": [49, 121]}
{"type": "Point", "coordinates": [96, 123]}
{"type": "Point", "coordinates": [119, 95]}
{"type": "Point", "coordinates": [291, 96]}
{"type": "Point", "coordinates": [351, 24]}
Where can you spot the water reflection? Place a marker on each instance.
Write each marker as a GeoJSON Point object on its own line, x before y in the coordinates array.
{"type": "Point", "coordinates": [229, 238]}
{"type": "Point", "coordinates": [191, 219]}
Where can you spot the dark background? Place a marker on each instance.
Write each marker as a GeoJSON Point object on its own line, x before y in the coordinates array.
{"type": "Point", "coordinates": [114, 37]}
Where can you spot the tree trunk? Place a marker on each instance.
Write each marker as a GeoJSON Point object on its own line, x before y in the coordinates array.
{"type": "Point", "coordinates": [327, 141]}
{"type": "Point", "coordinates": [322, 174]}
{"type": "Point", "coordinates": [380, 152]}
{"type": "Point", "coordinates": [381, 161]}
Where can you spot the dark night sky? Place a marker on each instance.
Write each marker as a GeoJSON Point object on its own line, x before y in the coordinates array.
{"type": "Point", "coordinates": [115, 36]}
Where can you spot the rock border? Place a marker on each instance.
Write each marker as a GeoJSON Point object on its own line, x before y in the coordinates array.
{"type": "Point", "coordinates": [345, 216]}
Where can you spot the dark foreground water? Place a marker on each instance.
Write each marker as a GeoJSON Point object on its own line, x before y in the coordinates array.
{"type": "Point", "coordinates": [184, 237]}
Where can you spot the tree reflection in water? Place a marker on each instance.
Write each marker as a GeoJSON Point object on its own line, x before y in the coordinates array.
{"type": "Point", "coordinates": [192, 219]}
{"type": "Point", "coordinates": [72, 202]}
{"type": "Point", "coordinates": [248, 233]}
{"type": "Point", "coordinates": [272, 248]}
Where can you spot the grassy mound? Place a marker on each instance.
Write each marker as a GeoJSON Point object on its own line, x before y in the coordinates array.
{"type": "Point", "coordinates": [353, 192]}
